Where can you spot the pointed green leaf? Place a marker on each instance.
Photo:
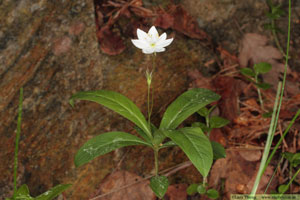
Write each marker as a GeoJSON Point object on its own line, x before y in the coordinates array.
{"type": "Point", "coordinates": [192, 189]}
{"type": "Point", "coordinates": [203, 112]}
{"type": "Point", "coordinates": [23, 190]}
{"type": "Point", "coordinates": [21, 194]}
{"type": "Point", "coordinates": [201, 125]}
{"type": "Point", "coordinates": [195, 145]}
{"type": "Point", "coordinates": [262, 68]}
{"type": "Point", "coordinates": [118, 103]}
{"type": "Point", "coordinates": [263, 86]}
{"type": "Point", "coordinates": [218, 122]}
{"type": "Point", "coordinates": [218, 150]}
{"type": "Point", "coordinates": [185, 105]}
{"type": "Point", "coordinates": [53, 192]}
{"type": "Point", "coordinates": [247, 72]}
{"type": "Point", "coordinates": [212, 193]}
{"type": "Point", "coordinates": [105, 143]}
{"type": "Point", "coordinates": [296, 159]}
{"type": "Point", "coordinates": [288, 156]}
{"type": "Point", "coordinates": [159, 185]}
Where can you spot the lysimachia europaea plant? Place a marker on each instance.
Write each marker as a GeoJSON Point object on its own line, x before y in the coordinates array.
{"type": "Point", "coordinates": [211, 122]}
{"type": "Point", "coordinates": [191, 140]}
{"type": "Point", "coordinates": [22, 193]}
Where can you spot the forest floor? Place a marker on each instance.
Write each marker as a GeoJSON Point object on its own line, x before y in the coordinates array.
{"type": "Point", "coordinates": [216, 39]}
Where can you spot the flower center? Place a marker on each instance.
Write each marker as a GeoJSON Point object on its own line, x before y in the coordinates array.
{"type": "Point", "coordinates": [152, 44]}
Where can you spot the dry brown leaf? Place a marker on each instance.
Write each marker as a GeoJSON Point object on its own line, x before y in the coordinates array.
{"type": "Point", "coordinates": [250, 155]}
{"type": "Point", "coordinates": [110, 43]}
{"type": "Point", "coordinates": [254, 49]}
{"type": "Point", "coordinates": [177, 18]}
{"type": "Point", "coordinates": [113, 186]}
{"type": "Point", "coordinates": [239, 174]}
{"type": "Point", "coordinates": [197, 80]}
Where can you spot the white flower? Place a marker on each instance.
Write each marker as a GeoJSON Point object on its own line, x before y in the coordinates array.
{"type": "Point", "coordinates": [151, 42]}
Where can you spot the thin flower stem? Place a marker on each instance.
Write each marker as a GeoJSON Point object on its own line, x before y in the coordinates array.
{"type": "Point", "coordinates": [148, 106]}
{"type": "Point", "coordinates": [150, 103]}
{"type": "Point", "coordinates": [17, 141]}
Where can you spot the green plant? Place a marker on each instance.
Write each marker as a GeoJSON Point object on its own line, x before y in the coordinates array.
{"type": "Point", "coordinates": [211, 122]}
{"type": "Point", "coordinates": [23, 192]}
{"type": "Point", "coordinates": [274, 13]}
{"type": "Point", "coordinates": [253, 76]}
{"type": "Point", "coordinates": [194, 143]}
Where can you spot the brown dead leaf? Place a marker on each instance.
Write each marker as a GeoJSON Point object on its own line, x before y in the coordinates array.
{"type": "Point", "coordinates": [250, 155]}
{"type": "Point", "coordinates": [113, 187]}
{"type": "Point", "coordinates": [254, 49]}
{"type": "Point", "coordinates": [239, 174]}
{"type": "Point", "coordinates": [110, 42]}
{"type": "Point", "coordinates": [197, 80]}
{"type": "Point", "coordinates": [177, 18]}
{"type": "Point", "coordinates": [176, 192]}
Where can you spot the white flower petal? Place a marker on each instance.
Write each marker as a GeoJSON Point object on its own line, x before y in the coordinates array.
{"type": "Point", "coordinates": [140, 44]}
{"type": "Point", "coordinates": [162, 37]}
{"type": "Point", "coordinates": [159, 49]}
{"type": "Point", "coordinates": [153, 33]}
{"type": "Point", "coordinates": [164, 43]}
{"type": "Point", "coordinates": [142, 35]}
{"type": "Point", "coordinates": [148, 51]}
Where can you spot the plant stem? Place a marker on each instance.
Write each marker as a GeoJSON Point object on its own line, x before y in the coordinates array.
{"type": "Point", "coordinates": [156, 160]}
{"type": "Point", "coordinates": [150, 103]}
{"type": "Point", "coordinates": [259, 94]}
{"type": "Point", "coordinates": [204, 181]}
{"type": "Point", "coordinates": [17, 141]}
